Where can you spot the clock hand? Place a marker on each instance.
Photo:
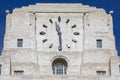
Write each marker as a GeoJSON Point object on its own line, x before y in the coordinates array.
{"type": "Point", "coordinates": [60, 43]}
{"type": "Point", "coordinates": [57, 27]}
{"type": "Point", "coordinates": [59, 34]}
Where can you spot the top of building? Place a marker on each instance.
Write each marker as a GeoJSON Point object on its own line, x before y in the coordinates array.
{"type": "Point", "coordinates": [53, 7]}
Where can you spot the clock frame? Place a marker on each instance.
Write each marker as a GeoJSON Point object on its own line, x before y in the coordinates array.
{"type": "Point", "coordinates": [70, 29]}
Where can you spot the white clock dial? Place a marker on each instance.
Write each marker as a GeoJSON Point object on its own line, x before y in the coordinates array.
{"type": "Point", "coordinates": [59, 31]}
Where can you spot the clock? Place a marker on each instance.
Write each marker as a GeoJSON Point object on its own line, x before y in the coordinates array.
{"type": "Point", "coordinates": [59, 31]}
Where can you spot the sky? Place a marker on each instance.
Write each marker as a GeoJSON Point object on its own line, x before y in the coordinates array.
{"type": "Point", "coordinates": [108, 5]}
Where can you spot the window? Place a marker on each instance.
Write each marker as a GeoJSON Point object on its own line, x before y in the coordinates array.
{"type": "Point", "coordinates": [0, 69]}
{"type": "Point", "coordinates": [19, 42]}
{"type": "Point", "coordinates": [101, 73]}
{"type": "Point", "coordinates": [59, 67]}
{"type": "Point", "coordinates": [99, 43]}
{"type": "Point", "coordinates": [119, 68]}
{"type": "Point", "coordinates": [19, 72]}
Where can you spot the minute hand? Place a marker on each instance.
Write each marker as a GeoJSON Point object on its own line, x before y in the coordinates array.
{"type": "Point", "coordinates": [59, 34]}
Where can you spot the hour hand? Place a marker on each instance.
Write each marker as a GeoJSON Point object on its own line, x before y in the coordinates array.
{"type": "Point", "coordinates": [60, 48]}
{"type": "Point", "coordinates": [57, 27]}
{"type": "Point", "coordinates": [59, 34]}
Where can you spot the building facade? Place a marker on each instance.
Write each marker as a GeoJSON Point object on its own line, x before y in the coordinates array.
{"type": "Point", "coordinates": [59, 42]}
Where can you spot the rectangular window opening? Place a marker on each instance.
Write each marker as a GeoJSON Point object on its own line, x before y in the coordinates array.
{"type": "Point", "coordinates": [19, 72]}
{"type": "Point", "coordinates": [0, 69]}
{"type": "Point", "coordinates": [101, 73]}
{"type": "Point", "coordinates": [119, 68]}
{"type": "Point", "coordinates": [99, 43]}
{"type": "Point", "coordinates": [19, 42]}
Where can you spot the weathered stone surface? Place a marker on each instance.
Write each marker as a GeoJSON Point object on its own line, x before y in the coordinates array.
{"type": "Point", "coordinates": [80, 26]}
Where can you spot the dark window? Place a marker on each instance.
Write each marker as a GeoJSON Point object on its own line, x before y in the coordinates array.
{"type": "Point", "coordinates": [99, 43]}
{"type": "Point", "coordinates": [101, 73]}
{"type": "Point", "coordinates": [19, 42]}
{"type": "Point", "coordinates": [119, 68]}
{"type": "Point", "coordinates": [59, 67]}
{"type": "Point", "coordinates": [19, 72]}
{"type": "Point", "coordinates": [0, 69]}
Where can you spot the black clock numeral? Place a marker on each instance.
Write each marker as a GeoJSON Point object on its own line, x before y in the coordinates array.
{"type": "Point", "coordinates": [68, 46]}
{"type": "Point", "coordinates": [50, 20]}
{"type": "Point", "coordinates": [75, 41]}
{"type": "Point", "coordinates": [44, 26]}
{"type": "Point", "coordinates": [42, 33]}
{"type": "Point", "coordinates": [73, 26]}
{"type": "Point", "coordinates": [44, 40]}
{"type": "Point", "coordinates": [76, 33]}
{"type": "Point", "coordinates": [67, 21]}
{"type": "Point", "coordinates": [51, 45]}
{"type": "Point", "coordinates": [59, 19]}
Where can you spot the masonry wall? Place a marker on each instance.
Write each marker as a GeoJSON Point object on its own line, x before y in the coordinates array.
{"type": "Point", "coordinates": [35, 59]}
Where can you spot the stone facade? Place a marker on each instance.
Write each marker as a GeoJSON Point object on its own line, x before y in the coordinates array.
{"type": "Point", "coordinates": [61, 42]}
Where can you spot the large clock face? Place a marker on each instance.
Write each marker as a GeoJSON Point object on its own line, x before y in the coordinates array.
{"type": "Point", "coordinates": [59, 31]}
